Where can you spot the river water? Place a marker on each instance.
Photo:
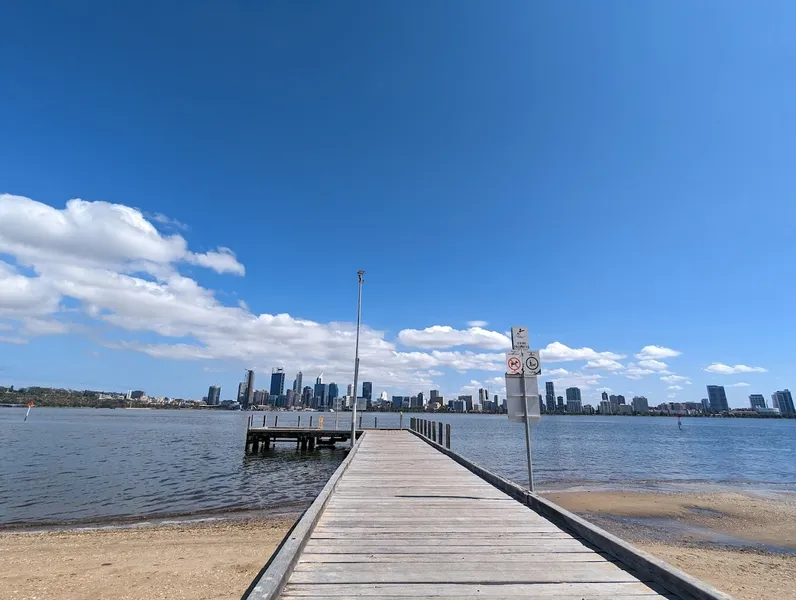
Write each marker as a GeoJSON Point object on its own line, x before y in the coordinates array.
{"type": "Point", "coordinates": [74, 466]}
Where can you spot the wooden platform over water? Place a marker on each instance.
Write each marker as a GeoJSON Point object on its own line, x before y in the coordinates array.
{"type": "Point", "coordinates": [401, 519]}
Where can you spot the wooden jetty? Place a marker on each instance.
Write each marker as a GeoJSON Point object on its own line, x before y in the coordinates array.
{"type": "Point", "coordinates": [404, 517]}
{"type": "Point", "coordinates": [260, 438]}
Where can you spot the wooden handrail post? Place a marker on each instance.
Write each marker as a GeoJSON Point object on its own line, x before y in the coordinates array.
{"type": "Point", "coordinates": [448, 436]}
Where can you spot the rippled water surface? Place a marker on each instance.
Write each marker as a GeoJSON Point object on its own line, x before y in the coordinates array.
{"type": "Point", "coordinates": [83, 465]}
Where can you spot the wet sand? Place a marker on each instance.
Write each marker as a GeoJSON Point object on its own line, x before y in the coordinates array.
{"type": "Point", "coordinates": [742, 543]}
{"type": "Point", "coordinates": [206, 560]}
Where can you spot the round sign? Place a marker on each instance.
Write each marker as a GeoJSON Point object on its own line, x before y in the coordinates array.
{"type": "Point", "coordinates": [532, 363]}
{"type": "Point", "coordinates": [514, 364]}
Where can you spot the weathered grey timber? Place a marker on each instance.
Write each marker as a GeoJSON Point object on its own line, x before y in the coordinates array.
{"type": "Point", "coordinates": [305, 438]}
{"type": "Point", "coordinates": [400, 519]}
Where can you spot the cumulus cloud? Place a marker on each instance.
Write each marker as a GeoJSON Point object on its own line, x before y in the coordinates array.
{"type": "Point", "coordinates": [723, 369]}
{"type": "Point", "coordinates": [635, 372]}
{"type": "Point", "coordinates": [164, 220]}
{"type": "Point", "coordinates": [604, 364]}
{"type": "Point", "coordinates": [676, 379]}
{"type": "Point", "coordinates": [555, 372]}
{"type": "Point", "coordinates": [740, 384]}
{"type": "Point", "coordinates": [94, 234]}
{"type": "Point", "coordinates": [558, 352]}
{"type": "Point", "coordinates": [656, 352]}
{"type": "Point", "coordinates": [477, 323]}
{"type": "Point", "coordinates": [674, 387]}
{"type": "Point", "coordinates": [655, 365]}
{"type": "Point", "coordinates": [444, 336]}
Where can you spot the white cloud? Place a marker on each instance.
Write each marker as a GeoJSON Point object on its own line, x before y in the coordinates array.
{"type": "Point", "coordinates": [94, 234]}
{"type": "Point", "coordinates": [554, 372]}
{"type": "Point", "coordinates": [728, 370]}
{"type": "Point", "coordinates": [223, 261]}
{"type": "Point", "coordinates": [740, 384]}
{"type": "Point", "coordinates": [651, 363]}
{"type": "Point", "coordinates": [444, 336]}
{"type": "Point", "coordinates": [164, 220]}
{"type": "Point", "coordinates": [35, 327]}
{"type": "Point", "coordinates": [674, 387]}
{"type": "Point", "coordinates": [9, 339]}
{"type": "Point", "coordinates": [676, 379]}
{"type": "Point", "coordinates": [604, 364]}
{"type": "Point", "coordinates": [558, 352]}
{"type": "Point", "coordinates": [672, 395]}
{"type": "Point", "coordinates": [477, 323]}
{"type": "Point", "coordinates": [656, 352]}
{"type": "Point", "coordinates": [580, 380]}
{"type": "Point", "coordinates": [635, 372]}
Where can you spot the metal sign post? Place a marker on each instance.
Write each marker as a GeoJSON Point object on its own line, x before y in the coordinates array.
{"type": "Point", "coordinates": [522, 367]}
{"type": "Point", "coordinates": [527, 432]}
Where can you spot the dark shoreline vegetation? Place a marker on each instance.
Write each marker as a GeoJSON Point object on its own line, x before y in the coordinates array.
{"type": "Point", "coordinates": [63, 398]}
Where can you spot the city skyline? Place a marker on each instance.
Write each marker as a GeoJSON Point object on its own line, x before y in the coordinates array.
{"type": "Point", "coordinates": [131, 253]}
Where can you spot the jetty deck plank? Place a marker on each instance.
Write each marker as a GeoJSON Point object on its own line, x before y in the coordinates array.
{"type": "Point", "coordinates": [406, 521]}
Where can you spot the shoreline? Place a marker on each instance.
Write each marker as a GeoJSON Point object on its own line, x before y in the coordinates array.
{"type": "Point", "coordinates": [182, 560]}
{"type": "Point", "coordinates": [741, 542]}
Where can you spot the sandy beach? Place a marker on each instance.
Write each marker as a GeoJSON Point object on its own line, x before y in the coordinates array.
{"type": "Point", "coordinates": [742, 543]}
{"type": "Point", "coordinates": [197, 561]}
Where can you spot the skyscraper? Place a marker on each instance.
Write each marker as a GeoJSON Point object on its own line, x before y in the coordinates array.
{"type": "Point", "coordinates": [306, 396]}
{"type": "Point", "coordinates": [298, 382]}
{"type": "Point", "coordinates": [350, 390]}
{"type": "Point", "coordinates": [605, 397]}
{"type": "Point", "coordinates": [573, 394]}
{"type": "Point", "coordinates": [277, 382]}
{"type": "Point", "coordinates": [757, 401]}
{"type": "Point", "coordinates": [367, 390]}
{"type": "Point", "coordinates": [242, 392]}
{"type": "Point", "coordinates": [550, 396]}
{"type": "Point", "coordinates": [784, 402]}
{"type": "Point", "coordinates": [332, 393]}
{"type": "Point", "coordinates": [213, 395]}
{"type": "Point", "coordinates": [248, 399]}
{"type": "Point", "coordinates": [717, 398]}
{"type": "Point", "coordinates": [421, 400]}
{"type": "Point", "coordinates": [640, 405]}
{"type": "Point", "coordinates": [319, 397]}
{"type": "Point", "coordinates": [434, 394]}
{"type": "Point", "coordinates": [560, 404]}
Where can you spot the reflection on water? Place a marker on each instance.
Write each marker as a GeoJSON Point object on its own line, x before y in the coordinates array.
{"type": "Point", "coordinates": [77, 465]}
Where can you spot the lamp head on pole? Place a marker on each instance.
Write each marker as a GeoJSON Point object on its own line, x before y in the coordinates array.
{"type": "Point", "coordinates": [360, 273]}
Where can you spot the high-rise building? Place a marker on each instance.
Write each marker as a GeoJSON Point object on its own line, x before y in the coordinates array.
{"type": "Point", "coordinates": [242, 392]}
{"type": "Point", "coordinates": [482, 396]}
{"type": "Point", "coordinates": [705, 405]}
{"type": "Point", "coordinates": [416, 402]}
{"type": "Point", "coordinates": [614, 402]}
{"type": "Point", "coordinates": [718, 399]}
{"type": "Point", "coordinates": [468, 402]}
{"type": "Point", "coordinates": [434, 394]}
{"type": "Point", "coordinates": [213, 395]}
{"type": "Point", "coordinates": [757, 401]}
{"type": "Point", "coordinates": [319, 397]}
{"type": "Point", "coordinates": [332, 393]}
{"type": "Point", "coordinates": [640, 405]}
{"type": "Point", "coordinates": [350, 390]}
{"type": "Point", "coordinates": [620, 399]}
{"type": "Point", "coordinates": [298, 382]}
{"type": "Point", "coordinates": [784, 402]}
{"type": "Point", "coordinates": [367, 390]}
{"type": "Point", "coordinates": [606, 408]}
{"type": "Point", "coordinates": [550, 396]}
{"type": "Point", "coordinates": [573, 394]}
{"type": "Point", "coordinates": [306, 396]}
{"type": "Point", "coordinates": [248, 398]}
{"type": "Point", "coordinates": [574, 406]}
{"type": "Point", "coordinates": [605, 397]}
{"type": "Point", "coordinates": [397, 402]}
{"type": "Point", "coordinates": [421, 400]}
{"type": "Point", "coordinates": [277, 382]}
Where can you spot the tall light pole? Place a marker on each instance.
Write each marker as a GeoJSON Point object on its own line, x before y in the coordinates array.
{"type": "Point", "coordinates": [360, 273]}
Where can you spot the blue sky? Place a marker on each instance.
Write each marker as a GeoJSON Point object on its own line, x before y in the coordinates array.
{"type": "Point", "coordinates": [612, 175]}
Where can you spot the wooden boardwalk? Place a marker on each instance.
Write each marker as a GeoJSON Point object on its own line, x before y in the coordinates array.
{"type": "Point", "coordinates": [406, 521]}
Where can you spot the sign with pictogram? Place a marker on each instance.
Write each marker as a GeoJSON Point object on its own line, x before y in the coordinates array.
{"type": "Point", "coordinates": [514, 362]}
